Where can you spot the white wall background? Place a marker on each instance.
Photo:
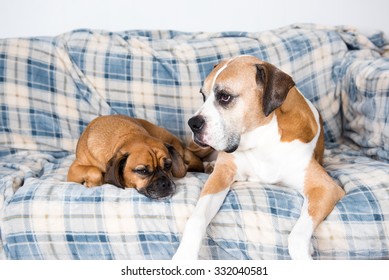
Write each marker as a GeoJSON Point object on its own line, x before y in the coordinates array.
{"type": "Point", "coordinates": [51, 17]}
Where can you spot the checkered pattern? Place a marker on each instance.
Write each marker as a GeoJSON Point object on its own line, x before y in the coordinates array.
{"type": "Point", "coordinates": [365, 95]}
{"type": "Point", "coordinates": [52, 87]}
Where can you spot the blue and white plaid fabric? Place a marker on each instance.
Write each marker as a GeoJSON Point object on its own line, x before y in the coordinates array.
{"type": "Point", "coordinates": [365, 102]}
{"type": "Point", "coordinates": [52, 87]}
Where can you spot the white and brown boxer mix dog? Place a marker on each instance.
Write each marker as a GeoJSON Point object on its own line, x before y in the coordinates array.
{"type": "Point", "coordinates": [265, 131]}
{"type": "Point", "coordinates": [131, 153]}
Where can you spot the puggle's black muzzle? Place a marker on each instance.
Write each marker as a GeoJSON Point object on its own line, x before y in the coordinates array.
{"type": "Point", "coordinates": [163, 187]}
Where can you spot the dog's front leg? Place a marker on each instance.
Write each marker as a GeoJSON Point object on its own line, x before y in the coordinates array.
{"type": "Point", "coordinates": [210, 201]}
{"type": "Point", "coordinates": [88, 175]}
{"type": "Point", "coordinates": [321, 193]}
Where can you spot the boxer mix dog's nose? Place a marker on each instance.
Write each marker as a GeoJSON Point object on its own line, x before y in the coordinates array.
{"type": "Point", "coordinates": [196, 123]}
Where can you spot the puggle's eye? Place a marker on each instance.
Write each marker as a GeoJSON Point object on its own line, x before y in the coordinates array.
{"type": "Point", "coordinates": [142, 171]}
{"type": "Point", "coordinates": [168, 164]}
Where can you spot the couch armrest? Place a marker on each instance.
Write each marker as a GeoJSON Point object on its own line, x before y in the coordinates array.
{"type": "Point", "coordinates": [364, 84]}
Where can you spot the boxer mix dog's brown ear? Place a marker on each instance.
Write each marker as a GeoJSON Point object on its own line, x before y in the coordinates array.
{"type": "Point", "coordinates": [114, 170]}
{"type": "Point", "coordinates": [276, 85]}
{"type": "Point", "coordinates": [178, 165]}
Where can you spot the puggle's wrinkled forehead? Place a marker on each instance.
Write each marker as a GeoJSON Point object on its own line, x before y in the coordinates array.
{"type": "Point", "coordinates": [150, 157]}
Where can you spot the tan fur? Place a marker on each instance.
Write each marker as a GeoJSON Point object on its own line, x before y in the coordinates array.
{"type": "Point", "coordinates": [296, 124]}
{"type": "Point", "coordinates": [109, 138]}
{"type": "Point", "coordinates": [319, 149]}
{"type": "Point", "coordinates": [222, 176]}
{"type": "Point", "coordinates": [321, 191]}
{"type": "Point", "coordinates": [299, 124]}
{"type": "Point", "coordinates": [201, 152]}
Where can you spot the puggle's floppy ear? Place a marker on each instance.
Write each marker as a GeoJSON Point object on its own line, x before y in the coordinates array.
{"type": "Point", "coordinates": [114, 170]}
{"type": "Point", "coordinates": [276, 85]}
{"type": "Point", "coordinates": [178, 165]}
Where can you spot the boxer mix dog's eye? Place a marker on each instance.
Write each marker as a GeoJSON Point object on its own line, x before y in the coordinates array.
{"type": "Point", "coordinates": [223, 97]}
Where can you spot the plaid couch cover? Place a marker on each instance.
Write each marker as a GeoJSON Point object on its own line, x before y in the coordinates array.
{"type": "Point", "coordinates": [52, 87]}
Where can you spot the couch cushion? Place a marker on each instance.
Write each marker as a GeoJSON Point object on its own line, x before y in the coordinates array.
{"type": "Point", "coordinates": [49, 218]}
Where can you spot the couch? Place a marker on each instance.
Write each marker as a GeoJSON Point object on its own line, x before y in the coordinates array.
{"type": "Point", "coordinates": [52, 87]}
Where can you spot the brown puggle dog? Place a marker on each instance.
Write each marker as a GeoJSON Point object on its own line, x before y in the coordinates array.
{"type": "Point", "coordinates": [131, 153]}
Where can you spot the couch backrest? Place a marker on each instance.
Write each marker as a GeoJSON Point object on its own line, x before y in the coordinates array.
{"type": "Point", "coordinates": [52, 87]}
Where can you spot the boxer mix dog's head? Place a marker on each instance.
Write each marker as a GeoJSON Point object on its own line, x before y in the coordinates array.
{"type": "Point", "coordinates": [239, 95]}
{"type": "Point", "coordinates": [147, 168]}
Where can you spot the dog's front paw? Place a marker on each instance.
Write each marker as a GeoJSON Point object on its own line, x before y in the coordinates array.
{"type": "Point", "coordinates": [93, 177]}
{"type": "Point", "coordinates": [209, 166]}
{"type": "Point", "coordinates": [184, 256]}
{"type": "Point", "coordinates": [186, 251]}
{"type": "Point", "coordinates": [299, 249]}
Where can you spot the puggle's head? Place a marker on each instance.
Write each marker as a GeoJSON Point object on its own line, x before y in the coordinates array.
{"type": "Point", "coordinates": [147, 167]}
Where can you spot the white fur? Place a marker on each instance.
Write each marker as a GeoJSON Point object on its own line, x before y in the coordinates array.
{"type": "Point", "coordinates": [214, 133]}
{"type": "Point", "coordinates": [195, 228]}
{"type": "Point", "coordinates": [299, 240]}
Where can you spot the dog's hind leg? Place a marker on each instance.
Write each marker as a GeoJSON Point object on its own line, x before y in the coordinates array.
{"type": "Point", "coordinates": [321, 193]}
{"type": "Point", "coordinates": [209, 203]}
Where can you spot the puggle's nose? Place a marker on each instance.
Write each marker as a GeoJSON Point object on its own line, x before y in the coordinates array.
{"type": "Point", "coordinates": [196, 123]}
{"type": "Point", "coordinates": [161, 188]}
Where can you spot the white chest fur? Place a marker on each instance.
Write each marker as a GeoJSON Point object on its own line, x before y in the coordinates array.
{"type": "Point", "coordinates": [263, 157]}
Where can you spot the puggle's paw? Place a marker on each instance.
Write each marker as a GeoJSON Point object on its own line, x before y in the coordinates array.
{"type": "Point", "coordinates": [209, 166]}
